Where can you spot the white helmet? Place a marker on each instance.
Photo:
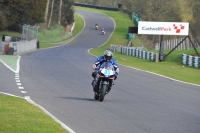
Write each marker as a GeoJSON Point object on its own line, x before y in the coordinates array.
{"type": "Point", "coordinates": [108, 55]}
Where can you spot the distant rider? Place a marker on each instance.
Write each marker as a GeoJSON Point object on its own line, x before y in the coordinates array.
{"type": "Point", "coordinates": [102, 30]}
{"type": "Point", "coordinates": [96, 26]}
{"type": "Point", "coordinates": [100, 60]}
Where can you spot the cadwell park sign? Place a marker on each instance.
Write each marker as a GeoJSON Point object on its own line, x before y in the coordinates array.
{"type": "Point", "coordinates": [163, 28]}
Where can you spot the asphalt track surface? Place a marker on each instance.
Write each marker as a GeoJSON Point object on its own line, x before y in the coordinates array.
{"type": "Point", "coordinates": [59, 79]}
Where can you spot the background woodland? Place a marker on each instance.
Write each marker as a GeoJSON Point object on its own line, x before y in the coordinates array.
{"type": "Point", "coordinates": [15, 13]}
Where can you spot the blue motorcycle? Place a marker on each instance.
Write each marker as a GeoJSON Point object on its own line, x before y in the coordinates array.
{"type": "Point", "coordinates": [105, 73]}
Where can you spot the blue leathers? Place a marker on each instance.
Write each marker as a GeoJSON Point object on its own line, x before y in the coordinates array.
{"type": "Point", "coordinates": [100, 60]}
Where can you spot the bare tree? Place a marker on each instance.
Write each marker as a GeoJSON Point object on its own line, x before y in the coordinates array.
{"type": "Point", "coordinates": [60, 12]}
{"type": "Point", "coordinates": [52, 4]}
{"type": "Point", "coordinates": [46, 11]}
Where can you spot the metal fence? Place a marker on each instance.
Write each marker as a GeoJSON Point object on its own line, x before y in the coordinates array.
{"type": "Point", "coordinates": [29, 32]}
{"type": "Point", "coordinates": [185, 45]}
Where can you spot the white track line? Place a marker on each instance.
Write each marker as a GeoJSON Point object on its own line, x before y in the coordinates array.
{"type": "Point", "coordinates": [48, 113]}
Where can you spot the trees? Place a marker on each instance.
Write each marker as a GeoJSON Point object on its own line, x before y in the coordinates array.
{"type": "Point", "coordinates": [21, 12]}
{"type": "Point", "coordinates": [60, 12]}
{"type": "Point", "coordinates": [51, 13]}
{"type": "Point", "coordinates": [15, 13]}
{"type": "Point", "coordinates": [195, 4]}
{"type": "Point", "coordinates": [67, 12]}
{"type": "Point", "coordinates": [46, 11]}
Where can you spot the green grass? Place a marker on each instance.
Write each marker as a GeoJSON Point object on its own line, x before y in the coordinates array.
{"type": "Point", "coordinates": [78, 24]}
{"type": "Point", "coordinates": [19, 116]}
{"type": "Point", "coordinates": [45, 41]}
{"type": "Point", "coordinates": [137, 41]}
{"type": "Point", "coordinates": [11, 61]}
{"type": "Point", "coordinates": [53, 34]}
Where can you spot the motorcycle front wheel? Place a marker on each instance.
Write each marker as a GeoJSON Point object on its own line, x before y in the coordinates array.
{"type": "Point", "coordinates": [102, 92]}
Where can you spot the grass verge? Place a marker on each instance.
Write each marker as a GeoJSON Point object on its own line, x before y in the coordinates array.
{"type": "Point", "coordinates": [19, 116]}
{"type": "Point", "coordinates": [11, 61]}
{"type": "Point", "coordinates": [56, 40]}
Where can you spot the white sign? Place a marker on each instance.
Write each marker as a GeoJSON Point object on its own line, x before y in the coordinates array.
{"type": "Point", "coordinates": [163, 28]}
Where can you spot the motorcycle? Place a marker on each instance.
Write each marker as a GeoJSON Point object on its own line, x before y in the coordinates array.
{"type": "Point", "coordinates": [103, 32]}
{"type": "Point", "coordinates": [96, 27]}
{"type": "Point", "coordinates": [106, 72]}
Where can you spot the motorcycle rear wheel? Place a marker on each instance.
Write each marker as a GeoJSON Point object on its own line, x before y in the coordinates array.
{"type": "Point", "coordinates": [102, 92]}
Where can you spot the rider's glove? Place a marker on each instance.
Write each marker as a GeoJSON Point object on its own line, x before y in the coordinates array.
{"type": "Point", "coordinates": [94, 66]}
{"type": "Point", "coordinates": [117, 70]}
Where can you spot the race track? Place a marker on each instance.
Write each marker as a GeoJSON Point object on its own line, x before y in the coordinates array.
{"type": "Point", "coordinates": [59, 79]}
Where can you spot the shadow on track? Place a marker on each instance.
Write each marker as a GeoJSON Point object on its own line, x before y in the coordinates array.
{"type": "Point", "coordinates": [77, 98]}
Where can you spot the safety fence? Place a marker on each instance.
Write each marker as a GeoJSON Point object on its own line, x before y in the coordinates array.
{"type": "Point", "coordinates": [134, 51]}
{"type": "Point", "coordinates": [191, 60]}
{"type": "Point", "coordinates": [29, 32]}
{"type": "Point", "coordinates": [170, 44]}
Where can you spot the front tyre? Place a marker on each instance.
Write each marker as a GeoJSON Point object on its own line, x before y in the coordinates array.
{"type": "Point", "coordinates": [102, 92]}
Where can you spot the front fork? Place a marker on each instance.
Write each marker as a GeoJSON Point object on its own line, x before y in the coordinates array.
{"type": "Point", "coordinates": [103, 83]}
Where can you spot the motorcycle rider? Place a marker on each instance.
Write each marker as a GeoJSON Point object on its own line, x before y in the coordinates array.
{"type": "Point", "coordinates": [102, 30]}
{"type": "Point", "coordinates": [107, 57]}
{"type": "Point", "coordinates": [96, 26]}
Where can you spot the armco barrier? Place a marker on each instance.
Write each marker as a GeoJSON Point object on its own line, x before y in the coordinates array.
{"type": "Point", "coordinates": [189, 60]}
{"type": "Point", "coordinates": [134, 51]}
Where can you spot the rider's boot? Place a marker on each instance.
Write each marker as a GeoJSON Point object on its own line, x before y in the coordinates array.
{"type": "Point", "coordinates": [96, 85]}
{"type": "Point", "coordinates": [94, 76]}
{"type": "Point", "coordinates": [96, 89]}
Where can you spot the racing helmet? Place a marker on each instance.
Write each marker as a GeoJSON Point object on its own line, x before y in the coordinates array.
{"type": "Point", "coordinates": [108, 55]}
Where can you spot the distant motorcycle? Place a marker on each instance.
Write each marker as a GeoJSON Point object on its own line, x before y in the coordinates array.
{"type": "Point", "coordinates": [105, 73]}
{"type": "Point", "coordinates": [103, 32]}
{"type": "Point", "coordinates": [96, 27]}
